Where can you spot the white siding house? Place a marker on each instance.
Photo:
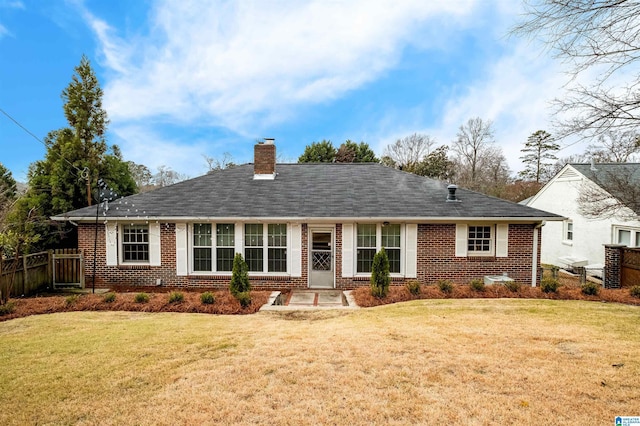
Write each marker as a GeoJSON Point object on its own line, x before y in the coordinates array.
{"type": "Point", "coordinates": [579, 239]}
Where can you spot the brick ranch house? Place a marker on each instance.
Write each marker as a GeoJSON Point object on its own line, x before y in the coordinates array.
{"type": "Point", "coordinates": [308, 226]}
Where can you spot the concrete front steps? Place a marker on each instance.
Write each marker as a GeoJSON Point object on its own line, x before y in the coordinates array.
{"type": "Point", "coordinates": [310, 299]}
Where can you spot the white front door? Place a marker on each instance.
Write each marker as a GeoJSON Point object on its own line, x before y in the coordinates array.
{"type": "Point", "coordinates": [321, 264]}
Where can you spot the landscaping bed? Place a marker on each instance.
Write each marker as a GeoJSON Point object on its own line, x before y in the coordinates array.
{"type": "Point", "coordinates": [569, 289]}
{"type": "Point", "coordinates": [125, 300]}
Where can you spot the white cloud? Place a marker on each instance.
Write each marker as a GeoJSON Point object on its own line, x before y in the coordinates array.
{"type": "Point", "coordinates": [230, 64]}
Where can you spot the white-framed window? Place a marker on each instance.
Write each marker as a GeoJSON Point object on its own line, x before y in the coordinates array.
{"type": "Point", "coordinates": [135, 243]}
{"type": "Point", "coordinates": [628, 236]}
{"type": "Point", "coordinates": [213, 253]}
{"type": "Point", "coordinates": [269, 257]}
{"type": "Point", "coordinates": [370, 238]}
{"type": "Point", "coordinates": [568, 230]}
{"type": "Point", "coordinates": [480, 240]}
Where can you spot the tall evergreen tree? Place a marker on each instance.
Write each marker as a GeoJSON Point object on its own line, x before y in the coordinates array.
{"type": "Point", "coordinates": [539, 148]}
{"type": "Point", "coordinates": [318, 152]}
{"type": "Point", "coordinates": [351, 152]}
{"type": "Point", "coordinates": [77, 156]}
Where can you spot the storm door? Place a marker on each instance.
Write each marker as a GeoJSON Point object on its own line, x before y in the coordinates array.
{"type": "Point", "coordinates": [321, 265]}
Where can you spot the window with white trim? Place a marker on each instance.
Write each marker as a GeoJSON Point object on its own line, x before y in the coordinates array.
{"type": "Point", "coordinates": [568, 230]}
{"type": "Point", "coordinates": [370, 238]}
{"type": "Point", "coordinates": [366, 247]}
{"type": "Point", "coordinates": [209, 251]}
{"type": "Point", "coordinates": [627, 236]}
{"type": "Point", "coordinates": [480, 240]}
{"type": "Point", "coordinates": [135, 243]}
{"type": "Point", "coordinates": [391, 244]}
{"type": "Point", "coordinates": [271, 257]}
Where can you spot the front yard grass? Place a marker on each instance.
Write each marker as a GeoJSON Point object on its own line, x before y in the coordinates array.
{"type": "Point", "coordinates": [467, 361]}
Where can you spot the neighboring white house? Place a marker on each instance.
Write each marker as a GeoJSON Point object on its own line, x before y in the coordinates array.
{"type": "Point", "coordinates": [579, 240]}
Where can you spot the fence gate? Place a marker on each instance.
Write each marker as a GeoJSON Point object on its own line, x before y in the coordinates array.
{"type": "Point", "coordinates": [630, 269]}
{"type": "Point", "coordinates": [68, 268]}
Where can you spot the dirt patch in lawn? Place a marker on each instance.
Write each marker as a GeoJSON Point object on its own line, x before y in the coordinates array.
{"type": "Point", "coordinates": [125, 300]}
{"type": "Point", "coordinates": [569, 289]}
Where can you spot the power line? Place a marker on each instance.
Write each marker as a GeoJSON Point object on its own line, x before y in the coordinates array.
{"type": "Point", "coordinates": [83, 174]}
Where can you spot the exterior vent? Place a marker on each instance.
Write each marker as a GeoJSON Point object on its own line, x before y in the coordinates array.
{"type": "Point", "coordinates": [569, 174]}
{"type": "Point", "coordinates": [451, 196]}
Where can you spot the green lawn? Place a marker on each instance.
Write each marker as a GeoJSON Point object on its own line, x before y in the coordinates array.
{"type": "Point", "coordinates": [471, 361]}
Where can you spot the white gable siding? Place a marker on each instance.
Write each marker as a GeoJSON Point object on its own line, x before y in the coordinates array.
{"type": "Point", "coordinates": [560, 196]}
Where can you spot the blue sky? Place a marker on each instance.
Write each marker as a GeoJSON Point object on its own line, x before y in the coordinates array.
{"type": "Point", "coordinates": [185, 79]}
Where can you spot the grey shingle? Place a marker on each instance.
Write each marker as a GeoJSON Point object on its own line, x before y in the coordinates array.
{"type": "Point", "coordinates": [324, 190]}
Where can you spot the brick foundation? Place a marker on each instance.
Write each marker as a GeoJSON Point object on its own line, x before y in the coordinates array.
{"type": "Point", "coordinates": [436, 260]}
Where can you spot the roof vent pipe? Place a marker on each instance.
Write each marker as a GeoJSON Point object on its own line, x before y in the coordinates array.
{"type": "Point", "coordinates": [452, 193]}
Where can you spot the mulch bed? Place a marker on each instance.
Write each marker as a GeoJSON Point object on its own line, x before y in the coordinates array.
{"type": "Point", "coordinates": [568, 290]}
{"type": "Point", "coordinates": [224, 304]}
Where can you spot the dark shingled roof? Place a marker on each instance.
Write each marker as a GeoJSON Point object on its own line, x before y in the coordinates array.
{"type": "Point", "coordinates": [325, 190]}
{"type": "Point", "coordinates": [619, 179]}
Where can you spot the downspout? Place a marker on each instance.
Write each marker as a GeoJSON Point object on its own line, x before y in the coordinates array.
{"type": "Point", "coordinates": [534, 260]}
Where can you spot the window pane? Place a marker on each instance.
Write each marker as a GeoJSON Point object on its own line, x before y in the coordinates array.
{"type": "Point", "coordinates": [225, 235]}
{"type": "Point", "coordinates": [253, 235]}
{"type": "Point", "coordinates": [135, 243]}
{"type": "Point", "coordinates": [202, 259]}
{"type": "Point", "coordinates": [365, 259]}
{"type": "Point", "coordinates": [253, 257]}
{"type": "Point", "coordinates": [479, 239]}
{"type": "Point", "coordinates": [366, 235]}
{"type": "Point", "coordinates": [394, 259]}
{"type": "Point", "coordinates": [391, 235]}
{"type": "Point", "coordinates": [224, 259]}
{"type": "Point", "coordinates": [624, 237]}
{"type": "Point", "coordinates": [135, 252]}
{"type": "Point", "coordinates": [637, 239]}
{"type": "Point", "coordinates": [277, 260]}
{"type": "Point", "coordinates": [277, 235]}
{"type": "Point", "coordinates": [202, 234]}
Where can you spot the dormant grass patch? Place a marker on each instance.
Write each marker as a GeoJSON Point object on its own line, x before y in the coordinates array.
{"type": "Point", "coordinates": [469, 361]}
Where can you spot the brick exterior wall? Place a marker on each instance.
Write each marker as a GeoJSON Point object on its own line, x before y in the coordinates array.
{"type": "Point", "coordinates": [436, 260]}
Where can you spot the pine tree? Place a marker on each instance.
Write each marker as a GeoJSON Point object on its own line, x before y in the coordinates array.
{"type": "Point", "coordinates": [77, 156]}
{"type": "Point", "coordinates": [239, 276]}
{"type": "Point", "coordinates": [538, 148]}
{"type": "Point", "coordinates": [318, 152]}
{"type": "Point", "coordinates": [380, 276]}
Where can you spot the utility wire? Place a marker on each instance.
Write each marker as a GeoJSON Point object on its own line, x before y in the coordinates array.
{"type": "Point", "coordinates": [83, 174]}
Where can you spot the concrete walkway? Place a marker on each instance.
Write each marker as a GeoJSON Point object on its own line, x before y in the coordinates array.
{"type": "Point", "coordinates": [310, 299]}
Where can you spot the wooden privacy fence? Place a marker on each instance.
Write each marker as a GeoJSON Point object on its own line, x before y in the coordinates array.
{"type": "Point", "coordinates": [62, 267]}
{"type": "Point", "coordinates": [630, 267]}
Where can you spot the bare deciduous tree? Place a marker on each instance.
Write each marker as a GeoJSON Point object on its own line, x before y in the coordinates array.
{"type": "Point", "coordinates": [592, 34]}
{"type": "Point", "coordinates": [226, 162]}
{"type": "Point", "coordinates": [614, 191]}
{"type": "Point", "coordinates": [408, 151]}
{"type": "Point", "coordinates": [473, 141]}
{"type": "Point", "coordinates": [615, 147]}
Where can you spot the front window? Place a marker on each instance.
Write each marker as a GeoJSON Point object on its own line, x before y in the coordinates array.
{"type": "Point", "coordinates": [391, 244]}
{"type": "Point", "coordinates": [366, 246]}
{"type": "Point", "coordinates": [480, 239]}
{"type": "Point", "coordinates": [205, 247]}
{"type": "Point", "coordinates": [135, 243]}
{"type": "Point", "coordinates": [273, 254]}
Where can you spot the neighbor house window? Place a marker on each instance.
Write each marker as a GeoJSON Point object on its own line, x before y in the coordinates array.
{"type": "Point", "coordinates": [135, 243]}
{"type": "Point", "coordinates": [371, 238]}
{"type": "Point", "coordinates": [273, 255]}
{"type": "Point", "coordinates": [206, 248]}
{"type": "Point", "coordinates": [628, 236]}
{"type": "Point", "coordinates": [391, 244]}
{"type": "Point", "coordinates": [480, 240]}
{"type": "Point", "coordinates": [568, 230]}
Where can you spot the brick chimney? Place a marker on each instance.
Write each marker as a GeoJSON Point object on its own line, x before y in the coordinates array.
{"type": "Point", "coordinates": [264, 161]}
